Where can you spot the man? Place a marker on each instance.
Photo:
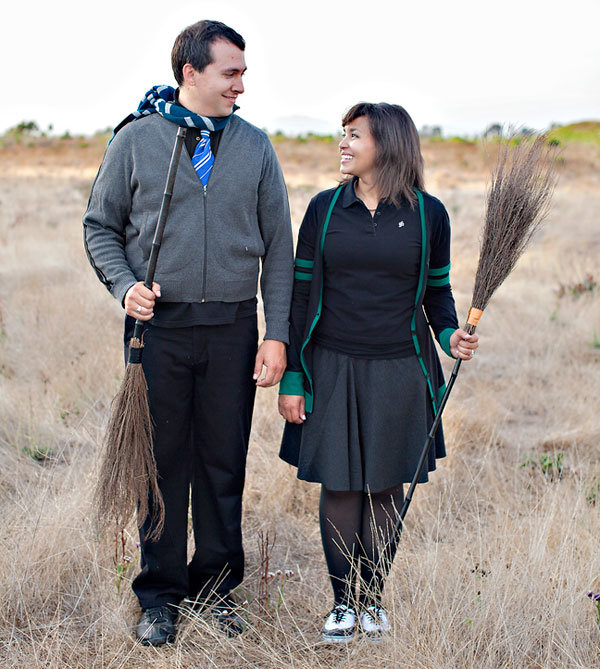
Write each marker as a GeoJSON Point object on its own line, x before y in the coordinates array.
{"type": "Point", "coordinates": [228, 211]}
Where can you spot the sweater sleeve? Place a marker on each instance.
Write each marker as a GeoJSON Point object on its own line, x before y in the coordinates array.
{"type": "Point", "coordinates": [292, 381]}
{"type": "Point", "coordinates": [276, 230]}
{"type": "Point", "coordinates": [106, 217]}
{"type": "Point", "coordinates": [438, 300]}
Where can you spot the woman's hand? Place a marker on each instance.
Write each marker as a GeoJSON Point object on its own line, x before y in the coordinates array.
{"type": "Point", "coordinates": [463, 345]}
{"type": "Point", "coordinates": [291, 407]}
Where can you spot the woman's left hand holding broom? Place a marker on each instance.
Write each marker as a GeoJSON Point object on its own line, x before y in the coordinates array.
{"type": "Point", "coordinates": [463, 345]}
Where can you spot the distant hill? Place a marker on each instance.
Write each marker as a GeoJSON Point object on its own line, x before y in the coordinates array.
{"type": "Point", "coordinates": [584, 132]}
{"type": "Point", "coordinates": [301, 126]}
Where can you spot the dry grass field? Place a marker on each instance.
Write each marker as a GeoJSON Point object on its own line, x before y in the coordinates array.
{"type": "Point", "coordinates": [500, 547]}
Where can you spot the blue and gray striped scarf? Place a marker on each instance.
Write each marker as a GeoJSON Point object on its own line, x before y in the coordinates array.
{"type": "Point", "coordinates": [161, 100]}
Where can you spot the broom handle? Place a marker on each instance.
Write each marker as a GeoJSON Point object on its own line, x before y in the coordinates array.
{"type": "Point", "coordinates": [430, 437]}
{"type": "Point", "coordinates": [162, 219]}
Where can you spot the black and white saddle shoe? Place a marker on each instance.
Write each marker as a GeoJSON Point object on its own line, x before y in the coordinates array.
{"type": "Point", "coordinates": [374, 622]}
{"type": "Point", "coordinates": [340, 624]}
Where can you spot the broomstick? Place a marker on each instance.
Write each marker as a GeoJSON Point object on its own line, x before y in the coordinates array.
{"type": "Point", "coordinates": [518, 200]}
{"type": "Point", "coordinates": [128, 477]}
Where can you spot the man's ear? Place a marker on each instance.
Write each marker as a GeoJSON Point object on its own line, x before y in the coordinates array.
{"type": "Point", "coordinates": [188, 75]}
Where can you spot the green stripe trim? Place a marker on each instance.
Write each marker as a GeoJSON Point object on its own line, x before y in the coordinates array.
{"type": "Point", "coordinates": [431, 394]}
{"type": "Point", "coordinates": [413, 327]}
{"type": "Point", "coordinates": [444, 340]}
{"type": "Point", "coordinates": [292, 384]}
{"type": "Point", "coordinates": [300, 262]}
{"type": "Point", "coordinates": [303, 276]}
{"type": "Point", "coordinates": [441, 392]}
{"type": "Point", "coordinates": [436, 283]}
{"type": "Point", "coordinates": [423, 254]}
{"type": "Point", "coordinates": [439, 271]}
{"type": "Point", "coordinates": [308, 395]}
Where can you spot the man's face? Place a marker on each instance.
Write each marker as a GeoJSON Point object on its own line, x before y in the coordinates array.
{"type": "Point", "coordinates": [216, 88]}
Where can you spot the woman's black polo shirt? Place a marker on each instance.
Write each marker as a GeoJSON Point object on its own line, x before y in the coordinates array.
{"type": "Point", "coordinates": [371, 269]}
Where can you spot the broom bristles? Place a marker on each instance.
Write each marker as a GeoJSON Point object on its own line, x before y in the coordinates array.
{"type": "Point", "coordinates": [128, 479]}
{"type": "Point", "coordinates": [518, 201]}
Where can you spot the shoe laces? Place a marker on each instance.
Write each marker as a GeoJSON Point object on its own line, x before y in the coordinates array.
{"type": "Point", "coordinates": [373, 613]}
{"type": "Point", "coordinates": [159, 614]}
{"type": "Point", "coordinates": [339, 613]}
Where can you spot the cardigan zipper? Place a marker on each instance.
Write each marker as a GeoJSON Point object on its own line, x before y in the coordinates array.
{"type": "Point", "coordinates": [205, 246]}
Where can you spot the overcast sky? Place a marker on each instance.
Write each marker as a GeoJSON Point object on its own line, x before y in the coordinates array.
{"type": "Point", "coordinates": [83, 66]}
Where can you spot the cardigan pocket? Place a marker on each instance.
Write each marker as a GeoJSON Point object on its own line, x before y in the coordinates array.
{"type": "Point", "coordinates": [237, 256]}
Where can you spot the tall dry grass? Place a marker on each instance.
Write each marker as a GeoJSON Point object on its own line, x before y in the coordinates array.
{"type": "Point", "coordinates": [499, 548]}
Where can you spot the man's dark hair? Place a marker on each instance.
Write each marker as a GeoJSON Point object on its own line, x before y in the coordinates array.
{"type": "Point", "coordinates": [193, 45]}
{"type": "Point", "coordinates": [398, 159]}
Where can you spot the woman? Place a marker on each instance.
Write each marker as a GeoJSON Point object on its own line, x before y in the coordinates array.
{"type": "Point", "coordinates": [363, 377]}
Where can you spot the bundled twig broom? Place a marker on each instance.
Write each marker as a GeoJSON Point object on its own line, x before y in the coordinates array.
{"type": "Point", "coordinates": [128, 480]}
{"type": "Point", "coordinates": [518, 201]}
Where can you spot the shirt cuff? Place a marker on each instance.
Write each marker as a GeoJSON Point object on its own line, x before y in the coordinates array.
{"type": "Point", "coordinates": [292, 383]}
{"type": "Point", "coordinates": [444, 340]}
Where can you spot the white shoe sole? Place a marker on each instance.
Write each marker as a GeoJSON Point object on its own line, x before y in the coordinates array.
{"type": "Point", "coordinates": [337, 639]}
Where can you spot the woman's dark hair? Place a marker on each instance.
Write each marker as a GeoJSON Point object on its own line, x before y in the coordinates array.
{"type": "Point", "coordinates": [193, 45]}
{"type": "Point", "coordinates": [398, 159]}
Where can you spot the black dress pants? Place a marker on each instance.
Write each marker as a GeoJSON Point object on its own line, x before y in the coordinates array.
{"type": "Point", "coordinates": [201, 396]}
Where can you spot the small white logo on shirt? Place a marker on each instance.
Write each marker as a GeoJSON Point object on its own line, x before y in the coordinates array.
{"type": "Point", "coordinates": [401, 224]}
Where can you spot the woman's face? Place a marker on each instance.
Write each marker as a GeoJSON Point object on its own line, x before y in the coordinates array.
{"type": "Point", "coordinates": [358, 150]}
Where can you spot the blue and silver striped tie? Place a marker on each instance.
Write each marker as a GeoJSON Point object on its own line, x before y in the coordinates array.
{"type": "Point", "coordinates": [203, 158]}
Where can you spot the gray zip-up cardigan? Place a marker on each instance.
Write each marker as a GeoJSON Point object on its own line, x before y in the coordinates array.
{"type": "Point", "coordinates": [214, 236]}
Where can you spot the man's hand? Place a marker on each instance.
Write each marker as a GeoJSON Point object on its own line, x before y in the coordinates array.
{"type": "Point", "coordinates": [271, 354]}
{"type": "Point", "coordinates": [291, 407]}
{"type": "Point", "coordinates": [139, 301]}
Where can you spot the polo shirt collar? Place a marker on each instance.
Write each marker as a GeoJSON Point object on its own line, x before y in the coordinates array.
{"type": "Point", "coordinates": [349, 195]}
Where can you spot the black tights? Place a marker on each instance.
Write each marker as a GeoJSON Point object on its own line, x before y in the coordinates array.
{"type": "Point", "coordinates": [357, 527]}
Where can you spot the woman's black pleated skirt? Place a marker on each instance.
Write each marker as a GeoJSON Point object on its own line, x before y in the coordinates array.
{"type": "Point", "coordinates": [369, 422]}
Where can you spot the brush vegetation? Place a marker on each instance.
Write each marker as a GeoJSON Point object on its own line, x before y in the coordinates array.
{"type": "Point", "coordinates": [499, 549]}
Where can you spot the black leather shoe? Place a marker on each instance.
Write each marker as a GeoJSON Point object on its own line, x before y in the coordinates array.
{"type": "Point", "coordinates": [156, 626]}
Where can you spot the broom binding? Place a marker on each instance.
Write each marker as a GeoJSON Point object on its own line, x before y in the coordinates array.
{"type": "Point", "coordinates": [136, 347]}
{"type": "Point", "coordinates": [474, 316]}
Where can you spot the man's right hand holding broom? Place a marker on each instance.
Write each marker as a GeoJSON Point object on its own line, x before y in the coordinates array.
{"type": "Point", "coordinates": [139, 301]}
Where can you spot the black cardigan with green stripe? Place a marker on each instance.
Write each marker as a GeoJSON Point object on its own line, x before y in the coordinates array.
{"type": "Point", "coordinates": [434, 304]}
